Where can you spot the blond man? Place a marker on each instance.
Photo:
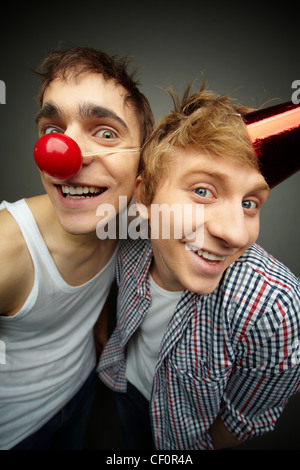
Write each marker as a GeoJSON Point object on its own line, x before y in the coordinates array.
{"type": "Point", "coordinates": [205, 351]}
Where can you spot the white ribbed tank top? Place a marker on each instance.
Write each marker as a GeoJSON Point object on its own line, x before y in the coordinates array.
{"type": "Point", "coordinates": [49, 342]}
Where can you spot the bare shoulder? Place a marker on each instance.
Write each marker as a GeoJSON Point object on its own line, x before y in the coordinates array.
{"type": "Point", "coordinates": [11, 239]}
{"type": "Point", "coordinates": [16, 268]}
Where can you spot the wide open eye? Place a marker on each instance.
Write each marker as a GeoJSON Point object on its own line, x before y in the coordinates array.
{"type": "Point", "coordinates": [51, 130]}
{"type": "Point", "coordinates": [203, 192]}
{"type": "Point", "coordinates": [106, 134]}
{"type": "Point", "coordinates": [249, 205]}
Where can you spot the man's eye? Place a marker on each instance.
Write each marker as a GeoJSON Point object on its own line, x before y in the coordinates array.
{"type": "Point", "coordinates": [203, 192]}
{"type": "Point", "coordinates": [51, 130]}
{"type": "Point", "coordinates": [106, 134]}
{"type": "Point", "coordinates": [249, 205]}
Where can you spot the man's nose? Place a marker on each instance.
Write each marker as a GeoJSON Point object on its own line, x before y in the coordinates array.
{"type": "Point", "coordinates": [229, 226]}
{"type": "Point", "coordinates": [81, 140]}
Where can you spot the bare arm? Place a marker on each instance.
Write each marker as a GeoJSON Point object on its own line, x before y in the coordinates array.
{"type": "Point", "coordinates": [16, 268]}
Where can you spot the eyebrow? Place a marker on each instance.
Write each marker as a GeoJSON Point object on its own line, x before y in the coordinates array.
{"type": "Point", "coordinates": [85, 110]}
{"type": "Point", "coordinates": [49, 111]}
{"type": "Point", "coordinates": [90, 110]}
{"type": "Point", "coordinates": [204, 171]}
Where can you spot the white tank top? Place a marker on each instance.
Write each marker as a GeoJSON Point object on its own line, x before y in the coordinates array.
{"type": "Point", "coordinates": [49, 347]}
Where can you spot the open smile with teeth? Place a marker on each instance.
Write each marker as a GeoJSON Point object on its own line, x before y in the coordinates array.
{"type": "Point", "coordinates": [210, 257]}
{"type": "Point", "coordinates": [81, 192]}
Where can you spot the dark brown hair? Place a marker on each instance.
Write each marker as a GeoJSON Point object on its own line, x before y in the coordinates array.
{"type": "Point", "coordinates": [71, 63]}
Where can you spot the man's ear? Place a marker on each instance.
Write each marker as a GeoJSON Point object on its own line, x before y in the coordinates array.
{"type": "Point", "coordinates": [142, 209]}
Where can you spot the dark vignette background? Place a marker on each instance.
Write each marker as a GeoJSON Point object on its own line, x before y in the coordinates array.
{"type": "Point", "coordinates": [249, 50]}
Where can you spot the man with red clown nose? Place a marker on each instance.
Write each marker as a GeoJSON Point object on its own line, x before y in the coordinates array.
{"type": "Point", "coordinates": [56, 273]}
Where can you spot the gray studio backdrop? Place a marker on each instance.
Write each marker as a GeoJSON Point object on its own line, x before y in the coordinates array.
{"type": "Point", "coordinates": [249, 50]}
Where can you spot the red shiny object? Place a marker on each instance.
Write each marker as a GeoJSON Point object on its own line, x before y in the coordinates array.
{"type": "Point", "coordinates": [58, 155]}
{"type": "Point", "coordinates": [275, 133]}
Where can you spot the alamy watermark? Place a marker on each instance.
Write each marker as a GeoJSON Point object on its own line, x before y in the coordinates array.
{"type": "Point", "coordinates": [2, 353]}
{"type": "Point", "coordinates": [296, 94]}
{"type": "Point", "coordinates": [177, 221]}
{"type": "Point", "coordinates": [2, 92]}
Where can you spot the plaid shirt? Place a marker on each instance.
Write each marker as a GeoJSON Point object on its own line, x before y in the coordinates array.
{"type": "Point", "coordinates": [233, 353]}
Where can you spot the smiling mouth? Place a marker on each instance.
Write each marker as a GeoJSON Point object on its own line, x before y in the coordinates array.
{"type": "Point", "coordinates": [209, 257]}
{"type": "Point", "coordinates": [81, 192]}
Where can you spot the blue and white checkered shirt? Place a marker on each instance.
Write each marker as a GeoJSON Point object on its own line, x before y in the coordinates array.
{"type": "Point", "coordinates": [233, 353]}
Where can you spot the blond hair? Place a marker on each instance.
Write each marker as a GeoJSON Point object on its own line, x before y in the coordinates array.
{"type": "Point", "coordinates": [203, 121]}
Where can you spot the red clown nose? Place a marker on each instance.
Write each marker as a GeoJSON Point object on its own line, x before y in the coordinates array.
{"type": "Point", "coordinates": [58, 155]}
{"type": "Point", "coordinates": [275, 134]}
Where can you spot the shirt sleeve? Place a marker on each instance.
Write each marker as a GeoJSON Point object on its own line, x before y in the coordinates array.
{"type": "Point", "coordinates": [266, 372]}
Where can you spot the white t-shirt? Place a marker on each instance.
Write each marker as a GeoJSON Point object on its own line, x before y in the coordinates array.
{"type": "Point", "coordinates": [143, 347]}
